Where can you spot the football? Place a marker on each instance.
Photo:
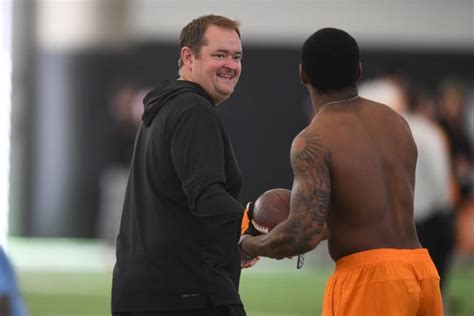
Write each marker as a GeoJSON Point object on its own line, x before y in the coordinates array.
{"type": "Point", "coordinates": [270, 209]}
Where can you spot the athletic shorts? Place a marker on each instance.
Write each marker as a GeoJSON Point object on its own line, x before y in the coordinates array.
{"type": "Point", "coordinates": [389, 282]}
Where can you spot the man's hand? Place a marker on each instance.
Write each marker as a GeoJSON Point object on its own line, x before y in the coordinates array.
{"type": "Point", "coordinates": [244, 264]}
{"type": "Point", "coordinates": [246, 227]}
{"type": "Point", "coordinates": [243, 255]}
{"type": "Point", "coordinates": [246, 261]}
{"type": "Point", "coordinates": [247, 231]}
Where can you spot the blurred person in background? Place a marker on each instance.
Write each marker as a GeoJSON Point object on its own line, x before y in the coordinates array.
{"type": "Point", "coordinates": [177, 251]}
{"type": "Point", "coordinates": [11, 302]}
{"type": "Point", "coordinates": [433, 201]}
{"type": "Point", "coordinates": [354, 177]}
{"type": "Point", "coordinates": [452, 116]}
{"type": "Point", "coordinates": [126, 109]}
{"type": "Point", "coordinates": [388, 88]}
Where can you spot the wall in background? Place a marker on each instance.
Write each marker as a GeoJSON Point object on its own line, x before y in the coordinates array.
{"type": "Point", "coordinates": [82, 54]}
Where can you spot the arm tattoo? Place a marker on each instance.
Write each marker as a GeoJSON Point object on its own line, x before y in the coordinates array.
{"type": "Point", "coordinates": [312, 187]}
{"type": "Point", "coordinates": [311, 193]}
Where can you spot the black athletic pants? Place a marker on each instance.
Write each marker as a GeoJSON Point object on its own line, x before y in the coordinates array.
{"type": "Point", "coordinates": [229, 310]}
{"type": "Point", "coordinates": [437, 234]}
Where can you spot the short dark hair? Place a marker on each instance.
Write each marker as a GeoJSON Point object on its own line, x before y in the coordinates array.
{"type": "Point", "coordinates": [192, 35]}
{"type": "Point", "coordinates": [330, 60]}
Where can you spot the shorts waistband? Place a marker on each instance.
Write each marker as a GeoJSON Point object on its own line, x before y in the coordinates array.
{"type": "Point", "coordinates": [380, 255]}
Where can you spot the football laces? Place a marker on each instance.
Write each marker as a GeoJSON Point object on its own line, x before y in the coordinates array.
{"type": "Point", "coordinates": [260, 228]}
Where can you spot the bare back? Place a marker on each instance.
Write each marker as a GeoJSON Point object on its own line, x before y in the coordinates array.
{"type": "Point", "coordinates": [372, 159]}
{"type": "Point", "coordinates": [354, 174]}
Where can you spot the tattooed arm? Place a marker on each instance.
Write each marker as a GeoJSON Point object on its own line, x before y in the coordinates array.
{"type": "Point", "coordinates": [305, 226]}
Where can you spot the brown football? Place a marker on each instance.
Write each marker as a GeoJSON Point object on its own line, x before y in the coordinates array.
{"type": "Point", "coordinates": [270, 209]}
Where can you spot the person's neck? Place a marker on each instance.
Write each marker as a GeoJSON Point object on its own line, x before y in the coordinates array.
{"type": "Point", "coordinates": [323, 100]}
{"type": "Point", "coordinates": [184, 74]}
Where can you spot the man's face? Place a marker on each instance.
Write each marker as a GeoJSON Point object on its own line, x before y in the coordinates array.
{"type": "Point", "coordinates": [217, 69]}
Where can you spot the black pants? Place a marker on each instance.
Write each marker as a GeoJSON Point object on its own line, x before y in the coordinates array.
{"type": "Point", "coordinates": [229, 310]}
{"type": "Point", "coordinates": [437, 234]}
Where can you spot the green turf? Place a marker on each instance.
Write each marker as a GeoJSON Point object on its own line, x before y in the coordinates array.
{"type": "Point", "coordinates": [66, 293]}
{"type": "Point", "coordinates": [460, 291]}
{"type": "Point", "coordinates": [276, 293]}
{"type": "Point", "coordinates": [297, 293]}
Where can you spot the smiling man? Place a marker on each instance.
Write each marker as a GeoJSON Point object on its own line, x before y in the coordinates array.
{"type": "Point", "coordinates": [177, 248]}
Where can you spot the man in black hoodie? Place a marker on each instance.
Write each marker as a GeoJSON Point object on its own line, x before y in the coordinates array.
{"type": "Point", "coordinates": [177, 248]}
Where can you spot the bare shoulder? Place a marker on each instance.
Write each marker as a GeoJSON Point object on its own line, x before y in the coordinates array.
{"type": "Point", "coordinates": [308, 147]}
{"type": "Point", "coordinates": [387, 111]}
{"type": "Point", "coordinates": [391, 123]}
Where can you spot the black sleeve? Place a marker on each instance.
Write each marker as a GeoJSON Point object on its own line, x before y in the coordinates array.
{"type": "Point", "coordinates": [197, 146]}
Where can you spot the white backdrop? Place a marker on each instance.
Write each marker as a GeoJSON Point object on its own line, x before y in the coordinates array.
{"type": "Point", "coordinates": [440, 24]}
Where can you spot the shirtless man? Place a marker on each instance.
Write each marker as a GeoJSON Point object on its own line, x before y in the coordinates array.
{"type": "Point", "coordinates": [354, 176]}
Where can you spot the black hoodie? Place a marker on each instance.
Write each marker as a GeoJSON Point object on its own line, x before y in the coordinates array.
{"type": "Point", "coordinates": [177, 245]}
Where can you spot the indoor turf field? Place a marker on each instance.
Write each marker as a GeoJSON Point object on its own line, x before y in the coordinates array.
{"type": "Point", "coordinates": [68, 278]}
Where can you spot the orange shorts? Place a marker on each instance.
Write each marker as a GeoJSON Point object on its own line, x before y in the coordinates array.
{"type": "Point", "coordinates": [384, 282]}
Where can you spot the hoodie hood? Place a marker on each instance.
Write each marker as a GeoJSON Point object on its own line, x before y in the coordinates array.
{"type": "Point", "coordinates": [156, 99]}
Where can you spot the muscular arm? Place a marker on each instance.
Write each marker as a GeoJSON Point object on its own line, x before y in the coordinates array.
{"type": "Point", "coordinates": [305, 226]}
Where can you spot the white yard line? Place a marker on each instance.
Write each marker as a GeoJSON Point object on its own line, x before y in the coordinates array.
{"type": "Point", "coordinates": [59, 255]}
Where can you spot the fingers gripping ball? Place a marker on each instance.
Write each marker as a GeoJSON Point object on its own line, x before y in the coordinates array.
{"type": "Point", "coordinates": [270, 209]}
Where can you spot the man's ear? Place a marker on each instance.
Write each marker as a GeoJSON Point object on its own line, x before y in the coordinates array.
{"type": "Point", "coordinates": [303, 77]}
{"type": "Point", "coordinates": [187, 56]}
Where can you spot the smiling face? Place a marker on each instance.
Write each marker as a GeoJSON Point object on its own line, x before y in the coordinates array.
{"type": "Point", "coordinates": [216, 68]}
